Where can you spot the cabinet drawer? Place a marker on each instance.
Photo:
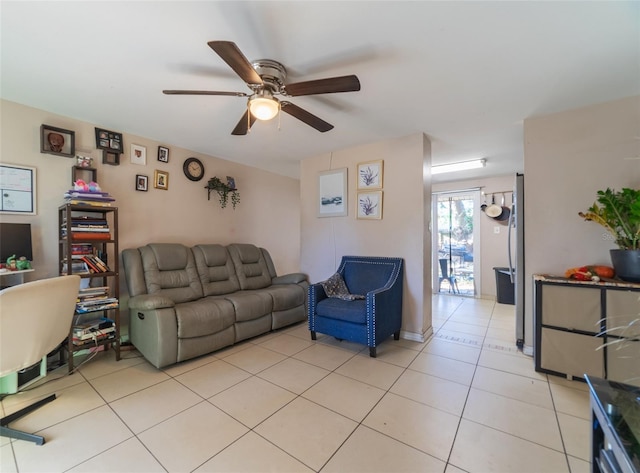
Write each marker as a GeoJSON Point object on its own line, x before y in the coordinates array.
{"type": "Point", "coordinates": [574, 308]}
{"type": "Point", "coordinates": [623, 307]}
{"type": "Point", "coordinates": [623, 361]}
{"type": "Point", "coordinates": [571, 353]}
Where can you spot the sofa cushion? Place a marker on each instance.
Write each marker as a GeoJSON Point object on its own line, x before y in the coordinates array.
{"type": "Point", "coordinates": [170, 270]}
{"type": "Point", "coordinates": [286, 296]}
{"type": "Point", "coordinates": [204, 317]}
{"type": "Point", "coordinates": [250, 305]}
{"type": "Point", "coordinates": [216, 270]}
{"type": "Point", "coordinates": [251, 267]}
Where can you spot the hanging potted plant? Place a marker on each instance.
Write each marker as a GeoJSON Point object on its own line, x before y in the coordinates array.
{"type": "Point", "coordinates": [619, 213]}
{"type": "Point", "coordinates": [223, 190]}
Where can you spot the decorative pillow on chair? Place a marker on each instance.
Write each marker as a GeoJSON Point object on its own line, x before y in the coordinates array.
{"type": "Point", "coordinates": [335, 287]}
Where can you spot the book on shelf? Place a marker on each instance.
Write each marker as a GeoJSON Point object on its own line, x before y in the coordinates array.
{"type": "Point", "coordinates": [95, 263]}
{"type": "Point", "coordinates": [92, 203]}
{"type": "Point", "coordinates": [77, 267]}
{"type": "Point", "coordinates": [92, 325]}
{"type": "Point", "coordinates": [102, 332]}
{"type": "Point", "coordinates": [90, 236]}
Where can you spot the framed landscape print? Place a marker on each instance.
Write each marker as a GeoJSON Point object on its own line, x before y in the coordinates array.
{"type": "Point", "coordinates": [370, 175]}
{"type": "Point", "coordinates": [332, 195]}
{"type": "Point", "coordinates": [370, 205]}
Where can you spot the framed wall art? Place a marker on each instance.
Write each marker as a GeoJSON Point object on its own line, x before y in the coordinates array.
{"type": "Point", "coordinates": [332, 195]}
{"type": "Point", "coordinates": [17, 189]}
{"type": "Point", "coordinates": [370, 205]}
{"type": "Point", "coordinates": [57, 141]}
{"type": "Point", "coordinates": [142, 182]}
{"type": "Point", "coordinates": [138, 155]}
{"type": "Point", "coordinates": [163, 154]}
{"type": "Point", "coordinates": [109, 140]}
{"type": "Point", "coordinates": [370, 175]}
{"type": "Point", "coordinates": [110, 157]}
{"type": "Point", "coordinates": [161, 180]}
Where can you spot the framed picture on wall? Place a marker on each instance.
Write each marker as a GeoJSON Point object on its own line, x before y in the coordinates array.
{"type": "Point", "coordinates": [163, 154]}
{"type": "Point", "coordinates": [161, 180]}
{"type": "Point", "coordinates": [370, 175]}
{"type": "Point", "coordinates": [138, 155]}
{"type": "Point", "coordinates": [370, 205]}
{"type": "Point", "coordinates": [142, 182]}
{"type": "Point", "coordinates": [57, 141]}
{"type": "Point", "coordinates": [332, 193]}
{"type": "Point", "coordinates": [17, 189]}
{"type": "Point", "coordinates": [109, 140]}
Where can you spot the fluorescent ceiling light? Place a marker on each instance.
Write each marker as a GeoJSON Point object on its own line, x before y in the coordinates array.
{"type": "Point", "coordinates": [462, 166]}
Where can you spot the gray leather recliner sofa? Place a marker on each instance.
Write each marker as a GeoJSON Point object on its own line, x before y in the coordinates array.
{"type": "Point", "coordinates": [186, 302]}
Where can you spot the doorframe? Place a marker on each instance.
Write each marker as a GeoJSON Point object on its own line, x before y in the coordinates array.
{"type": "Point", "coordinates": [475, 192]}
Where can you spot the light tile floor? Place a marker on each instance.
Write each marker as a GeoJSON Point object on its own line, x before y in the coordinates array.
{"type": "Point", "coordinates": [466, 400]}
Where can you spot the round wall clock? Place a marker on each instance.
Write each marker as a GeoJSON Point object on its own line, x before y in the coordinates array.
{"type": "Point", "coordinates": [193, 169]}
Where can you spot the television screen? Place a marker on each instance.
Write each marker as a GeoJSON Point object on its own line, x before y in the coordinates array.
{"type": "Point", "coordinates": [15, 239]}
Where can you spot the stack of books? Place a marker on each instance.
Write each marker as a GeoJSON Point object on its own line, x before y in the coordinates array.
{"type": "Point", "coordinates": [93, 331]}
{"type": "Point", "coordinates": [88, 228]}
{"type": "Point", "coordinates": [91, 199]}
{"type": "Point", "coordinates": [93, 299]}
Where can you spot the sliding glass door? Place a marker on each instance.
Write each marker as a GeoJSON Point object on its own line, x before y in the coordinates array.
{"type": "Point", "coordinates": [455, 239]}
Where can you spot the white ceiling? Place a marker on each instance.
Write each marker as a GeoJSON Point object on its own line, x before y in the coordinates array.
{"type": "Point", "coordinates": [465, 73]}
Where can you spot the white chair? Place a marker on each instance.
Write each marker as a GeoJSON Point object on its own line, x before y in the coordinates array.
{"type": "Point", "coordinates": [35, 317]}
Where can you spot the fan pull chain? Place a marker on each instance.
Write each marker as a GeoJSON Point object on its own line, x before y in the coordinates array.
{"type": "Point", "coordinates": [279, 109]}
{"type": "Point", "coordinates": [248, 119]}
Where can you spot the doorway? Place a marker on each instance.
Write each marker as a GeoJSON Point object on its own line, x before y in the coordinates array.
{"type": "Point", "coordinates": [456, 241]}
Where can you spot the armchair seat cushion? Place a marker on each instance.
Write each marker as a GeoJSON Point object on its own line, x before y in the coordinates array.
{"type": "Point", "coordinates": [347, 311]}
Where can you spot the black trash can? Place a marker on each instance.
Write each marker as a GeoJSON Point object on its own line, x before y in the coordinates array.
{"type": "Point", "coordinates": [505, 292]}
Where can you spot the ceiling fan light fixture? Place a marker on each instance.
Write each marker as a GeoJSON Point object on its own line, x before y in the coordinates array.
{"type": "Point", "coordinates": [461, 166]}
{"type": "Point", "coordinates": [264, 108]}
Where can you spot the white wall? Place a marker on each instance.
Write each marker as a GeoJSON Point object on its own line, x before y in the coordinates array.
{"type": "Point", "coordinates": [403, 230]}
{"type": "Point", "coordinates": [268, 214]}
{"type": "Point", "coordinates": [568, 157]}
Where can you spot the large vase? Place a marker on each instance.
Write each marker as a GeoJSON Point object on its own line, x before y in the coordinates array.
{"type": "Point", "coordinates": [626, 263]}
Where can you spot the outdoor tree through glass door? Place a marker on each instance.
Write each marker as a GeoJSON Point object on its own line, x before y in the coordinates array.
{"type": "Point", "coordinates": [453, 252]}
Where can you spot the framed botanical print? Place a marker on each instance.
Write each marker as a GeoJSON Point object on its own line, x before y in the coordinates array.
{"type": "Point", "coordinates": [370, 205]}
{"type": "Point", "coordinates": [370, 175]}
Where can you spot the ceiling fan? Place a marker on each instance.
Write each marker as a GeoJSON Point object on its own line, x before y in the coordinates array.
{"type": "Point", "coordinates": [266, 79]}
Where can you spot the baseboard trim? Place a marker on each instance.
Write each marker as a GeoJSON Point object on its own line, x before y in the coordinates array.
{"type": "Point", "coordinates": [417, 337]}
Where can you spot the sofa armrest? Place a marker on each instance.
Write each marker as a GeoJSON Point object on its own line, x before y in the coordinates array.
{"type": "Point", "coordinates": [150, 302]}
{"type": "Point", "coordinates": [293, 278]}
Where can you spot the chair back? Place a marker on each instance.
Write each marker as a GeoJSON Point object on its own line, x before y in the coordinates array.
{"type": "Point", "coordinates": [34, 318]}
{"type": "Point", "coordinates": [444, 267]}
{"type": "Point", "coordinates": [362, 274]}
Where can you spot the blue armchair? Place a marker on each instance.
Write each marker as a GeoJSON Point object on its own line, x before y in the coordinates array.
{"type": "Point", "coordinates": [368, 320]}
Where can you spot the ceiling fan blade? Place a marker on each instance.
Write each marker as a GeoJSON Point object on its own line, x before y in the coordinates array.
{"type": "Point", "coordinates": [324, 86]}
{"type": "Point", "coordinates": [231, 54]}
{"type": "Point", "coordinates": [302, 115]}
{"type": "Point", "coordinates": [243, 125]}
{"type": "Point", "coordinates": [203, 92]}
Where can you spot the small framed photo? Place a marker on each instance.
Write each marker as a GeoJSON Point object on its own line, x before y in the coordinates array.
{"type": "Point", "coordinates": [109, 140]}
{"type": "Point", "coordinates": [231, 182]}
{"type": "Point", "coordinates": [57, 141]}
{"type": "Point", "coordinates": [370, 175]}
{"type": "Point", "coordinates": [163, 154]}
{"type": "Point", "coordinates": [110, 157]}
{"type": "Point", "coordinates": [332, 198]}
{"type": "Point", "coordinates": [138, 155]}
{"type": "Point", "coordinates": [370, 205]}
{"type": "Point", "coordinates": [161, 180]}
{"type": "Point", "coordinates": [142, 183]}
